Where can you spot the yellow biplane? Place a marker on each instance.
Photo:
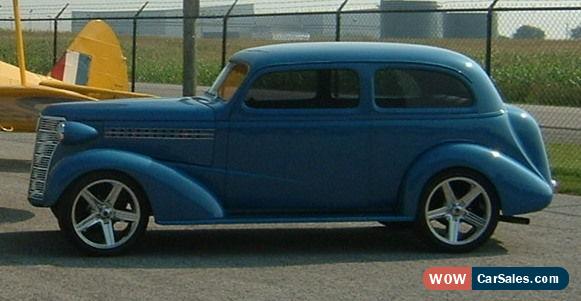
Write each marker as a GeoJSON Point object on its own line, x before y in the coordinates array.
{"type": "Point", "coordinates": [92, 68]}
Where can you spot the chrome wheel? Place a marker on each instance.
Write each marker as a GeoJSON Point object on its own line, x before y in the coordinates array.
{"type": "Point", "coordinates": [458, 211]}
{"type": "Point", "coordinates": [105, 214]}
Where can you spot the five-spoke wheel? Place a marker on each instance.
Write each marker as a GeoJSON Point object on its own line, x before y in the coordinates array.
{"type": "Point", "coordinates": [103, 213]}
{"type": "Point", "coordinates": [459, 210]}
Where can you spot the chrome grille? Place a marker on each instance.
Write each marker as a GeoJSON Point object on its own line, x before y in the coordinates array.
{"type": "Point", "coordinates": [45, 145]}
{"type": "Point", "coordinates": [156, 133]}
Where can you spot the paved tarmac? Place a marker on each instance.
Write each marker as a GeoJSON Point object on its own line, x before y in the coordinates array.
{"type": "Point", "coordinates": [351, 261]}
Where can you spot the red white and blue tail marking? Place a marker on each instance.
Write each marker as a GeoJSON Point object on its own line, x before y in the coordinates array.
{"type": "Point", "coordinates": [73, 68]}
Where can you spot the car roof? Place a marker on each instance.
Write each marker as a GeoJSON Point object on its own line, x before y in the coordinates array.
{"type": "Point", "coordinates": [368, 52]}
{"type": "Point", "coordinates": [334, 52]}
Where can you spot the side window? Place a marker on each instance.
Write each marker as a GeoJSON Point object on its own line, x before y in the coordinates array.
{"type": "Point", "coordinates": [308, 89]}
{"type": "Point", "coordinates": [411, 88]}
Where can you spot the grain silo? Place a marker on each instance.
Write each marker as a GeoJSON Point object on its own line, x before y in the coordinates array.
{"type": "Point", "coordinates": [411, 24]}
{"type": "Point", "coordinates": [466, 25]}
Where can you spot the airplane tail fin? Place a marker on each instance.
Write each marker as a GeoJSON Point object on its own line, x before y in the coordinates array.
{"type": "Point", "coordinates": [93, 59]}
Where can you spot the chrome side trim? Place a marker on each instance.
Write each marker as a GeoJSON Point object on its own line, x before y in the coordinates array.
{"type": "Point", "coordinates": [157, 133]}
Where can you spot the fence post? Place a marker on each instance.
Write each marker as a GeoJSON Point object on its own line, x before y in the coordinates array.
{"type": "Point", "coordinates": [190, 15]}
{"type": "Point", "coordinates": [489, 17]}
{"type": "Point", "coordinates": [134, 44]}
{"type": "Point", "coordinates": [338, 21]}
{"type": "Point", "coordinates": [225, 32]}
{"type": "Point", "coordinates": [55, 33]}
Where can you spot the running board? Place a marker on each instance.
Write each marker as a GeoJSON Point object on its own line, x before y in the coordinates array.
{"type": "Point", "coordinates": [514, 219]}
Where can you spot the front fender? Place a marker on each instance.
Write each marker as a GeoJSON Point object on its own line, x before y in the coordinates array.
{"type": "Point", "coordinates": [520, 190]}
{"type": "Point", "coordinates": [174, 197]}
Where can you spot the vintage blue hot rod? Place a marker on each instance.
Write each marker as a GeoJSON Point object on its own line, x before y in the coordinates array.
{"type": "Point", "coordinates": [306, 132]}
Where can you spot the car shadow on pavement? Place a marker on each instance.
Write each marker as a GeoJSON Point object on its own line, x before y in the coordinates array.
{"type": "Point", "coordinates": [11, 215]}
{"type": "Point", "coordinates": [219, 248]}
{"type": "Point", "coordinates": [12, 165]}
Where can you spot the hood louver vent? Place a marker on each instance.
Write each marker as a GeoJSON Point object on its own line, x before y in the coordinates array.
{"type": "Point", "coordinates": [149, 133]}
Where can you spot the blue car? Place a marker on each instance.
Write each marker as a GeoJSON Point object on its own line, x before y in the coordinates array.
{"type": "Point", "coordinates": [306, 132]}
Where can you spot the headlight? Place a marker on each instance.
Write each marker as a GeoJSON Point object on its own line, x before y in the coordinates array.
{"type": "Point", "coordinates": [60, 131]}
{"type": "Point", "coordinates": [76, 132]}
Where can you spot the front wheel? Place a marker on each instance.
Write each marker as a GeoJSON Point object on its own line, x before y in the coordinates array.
{"type": "Point", "coordinates": [458, 212]}
{"type": "Point", "coordinates": [103, 213]}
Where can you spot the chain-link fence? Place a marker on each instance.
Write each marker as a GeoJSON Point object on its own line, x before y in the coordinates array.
{"type": "Point", "coordinates": [536, 64]}
{"type": "Point", "coordinates": [533, 51]}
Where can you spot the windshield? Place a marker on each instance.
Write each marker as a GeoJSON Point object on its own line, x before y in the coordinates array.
{"type": "Point", "coordinates": [229, 81]}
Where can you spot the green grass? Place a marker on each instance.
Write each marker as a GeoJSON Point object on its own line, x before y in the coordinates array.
{"type": "Point", "coordinates": [528, 71]}
{"type": "Point", "coordinates": [566, 166]}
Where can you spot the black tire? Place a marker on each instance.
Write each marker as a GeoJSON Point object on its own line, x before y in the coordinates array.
{"type": "Point", "coordinates": [479, 218]}
{"type": "Point", "coordinates": [92, 224]}
{"type": "Point", "coordinates": [55, 211]}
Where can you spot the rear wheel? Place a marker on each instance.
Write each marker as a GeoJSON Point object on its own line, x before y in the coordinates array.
{"type": "Point", "coordinates": [103, 213]}
{"type": "Point", "coordinates": [458, 212]}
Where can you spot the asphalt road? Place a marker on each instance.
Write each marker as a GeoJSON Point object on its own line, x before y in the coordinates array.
{"type": "Point", "coordinates": [353, 261]}
{"type": "Point", "coordinates": [560, 124]}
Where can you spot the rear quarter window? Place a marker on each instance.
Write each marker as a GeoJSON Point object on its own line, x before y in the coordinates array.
{"type": "Point", "coordinates": [413, 88]}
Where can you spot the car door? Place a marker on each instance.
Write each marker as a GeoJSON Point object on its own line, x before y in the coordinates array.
{"type": "Point", "coordinates": [417, 107]}
{"type": "Point", "coordinates": [298, 143]}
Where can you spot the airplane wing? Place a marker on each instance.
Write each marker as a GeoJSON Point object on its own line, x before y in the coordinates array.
{"type": "Point", "coordinates": [92, 68]}
{"type": "Point", "coordinates": [20, 106]}
{"type": "Point", "coordinates": [98, 93]}
{"type": "Point", "coordinates": [9, 76]}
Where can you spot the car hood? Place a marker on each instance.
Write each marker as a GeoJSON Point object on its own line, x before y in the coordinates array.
{"type": "Point", "coordinates": [155, 109]}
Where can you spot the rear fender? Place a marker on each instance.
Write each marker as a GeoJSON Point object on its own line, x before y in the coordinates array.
{"type": "Point", "coordinates": [174, 197]}
{"type": "Point", "coordinates": [520, 190]}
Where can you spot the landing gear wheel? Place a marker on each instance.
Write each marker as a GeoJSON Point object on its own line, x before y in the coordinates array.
{"type": "Point", "coordinates": [458, 212]}
{"type": "Point", "coordinates": [103, 213]}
